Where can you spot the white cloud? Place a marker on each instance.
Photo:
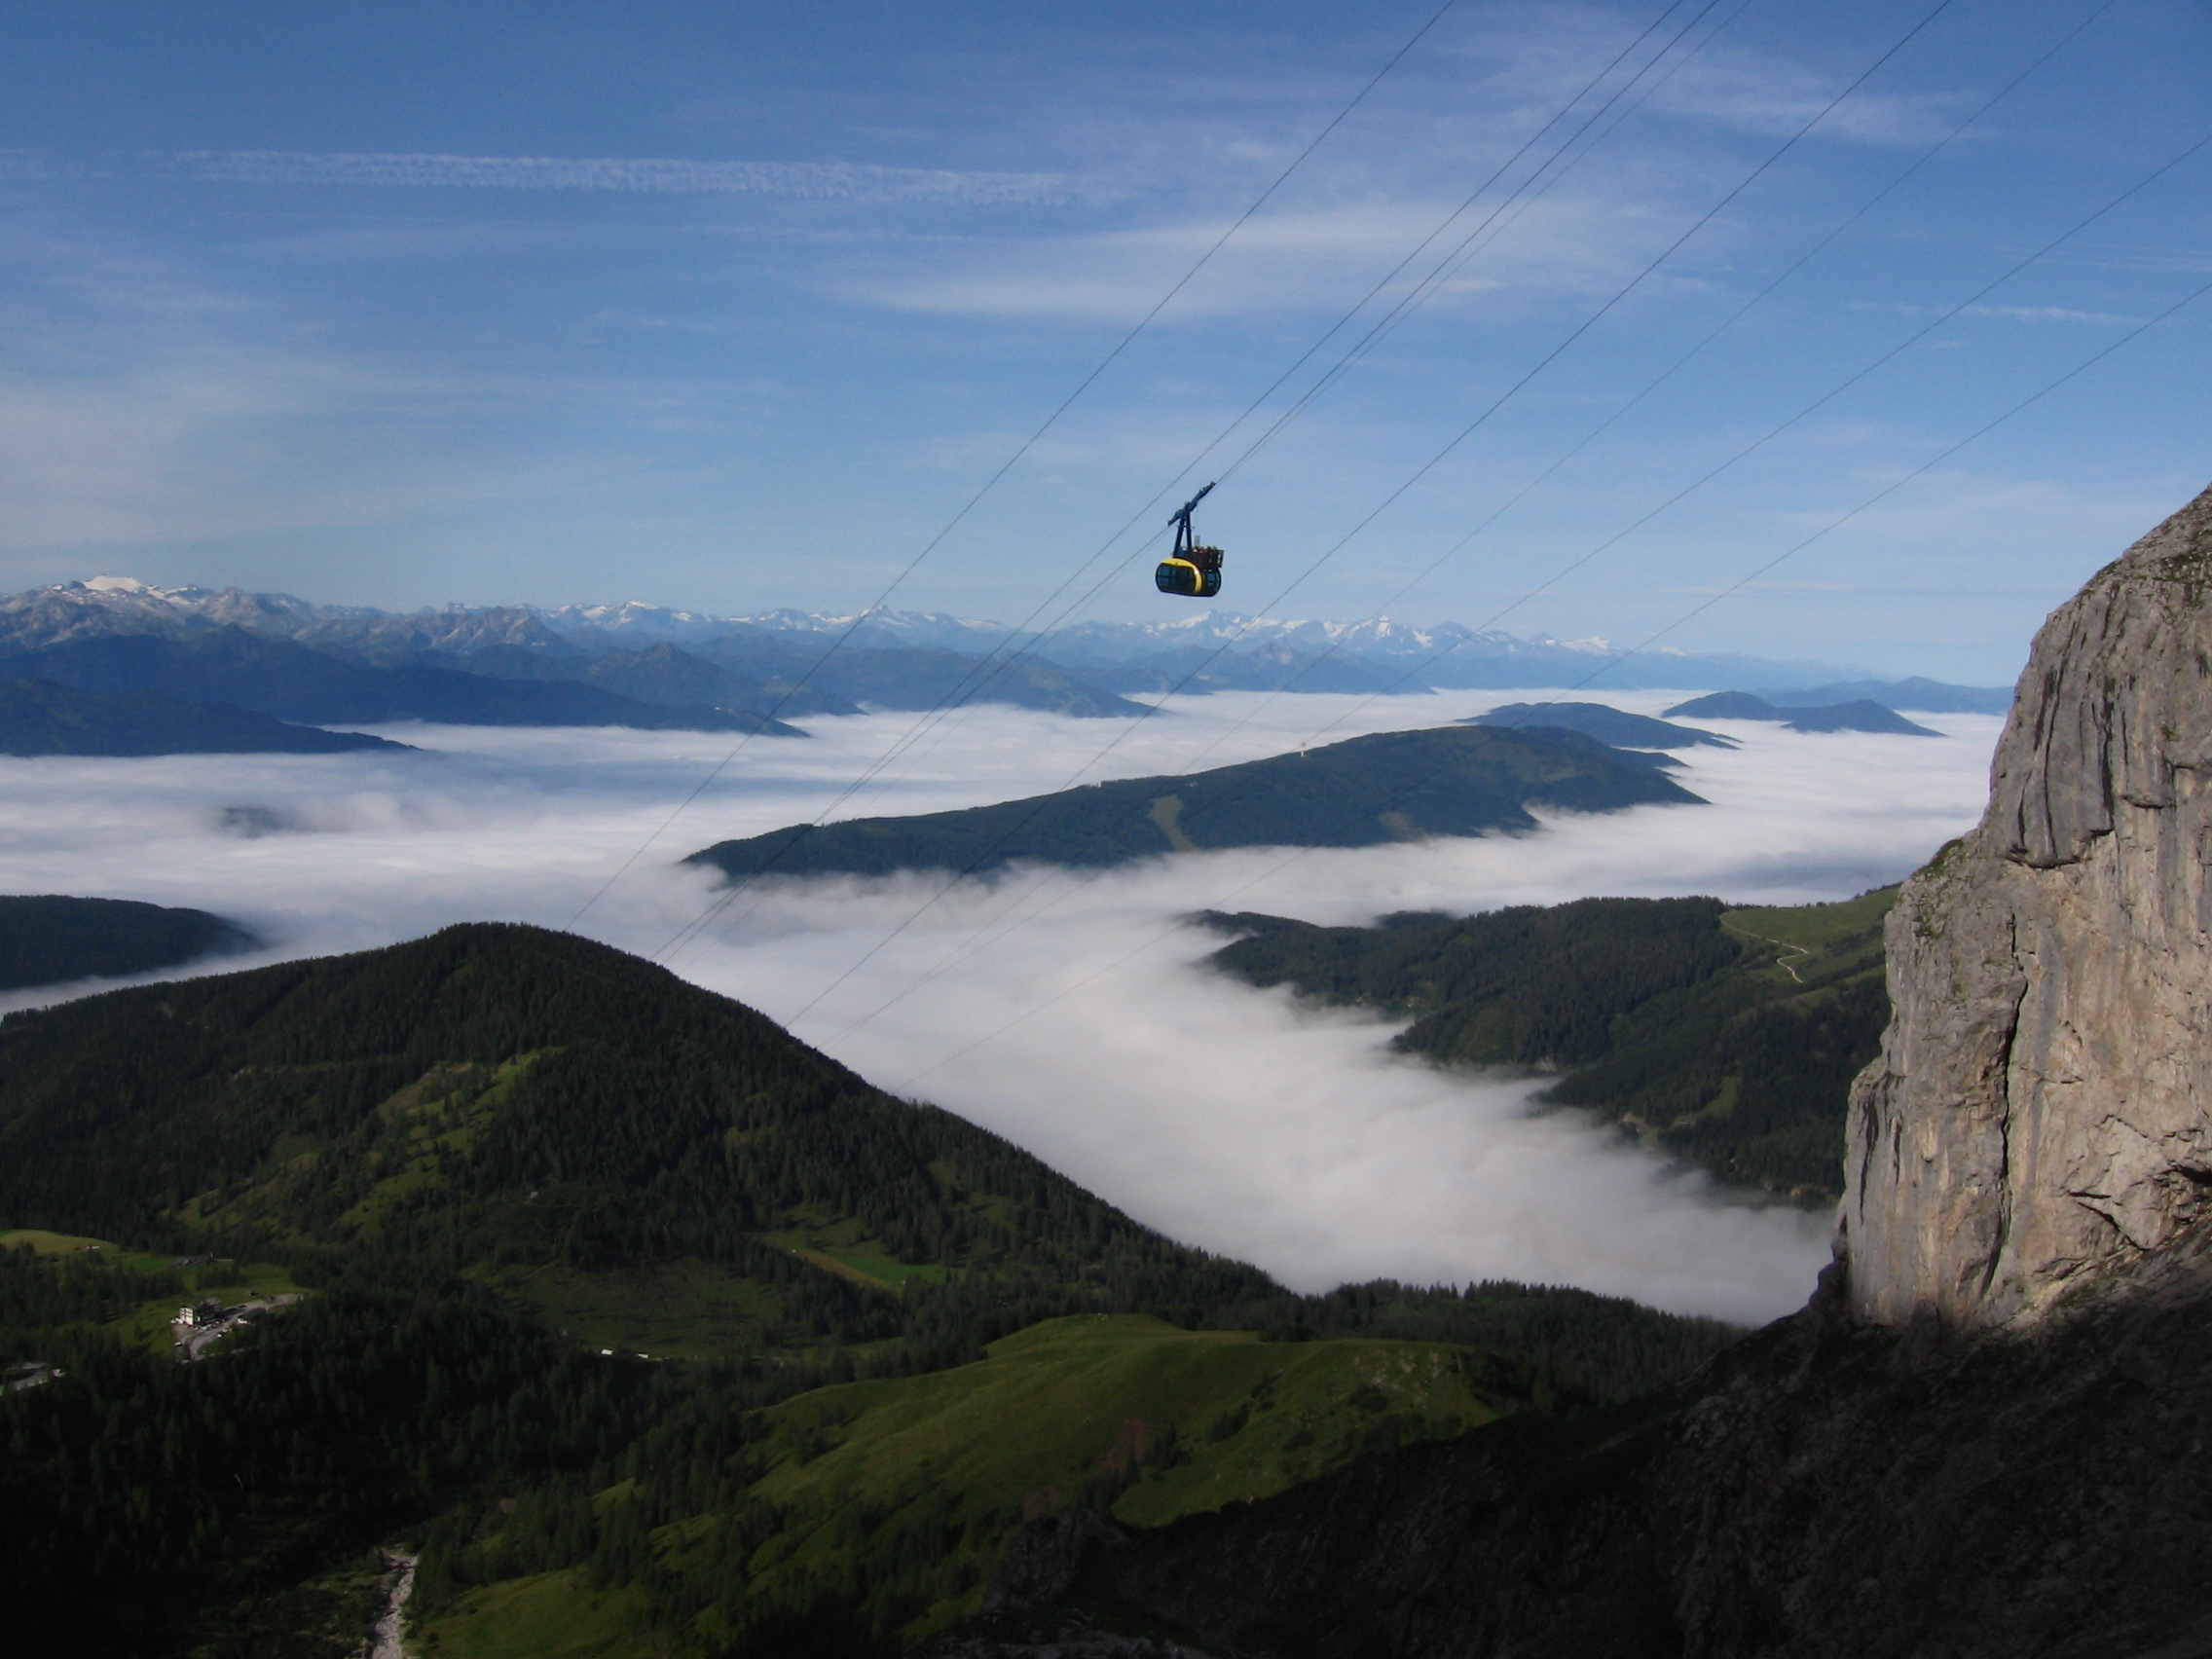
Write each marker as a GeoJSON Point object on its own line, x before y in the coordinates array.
{"type": "Point", "coordinates": [1315, 257]}
{"type": "Point", "coordinates": [837, 181]}
{"type": "Point", "coordinates": [2005, 314]}
{"type": "Point", "coordinates": [1227, 1116]}
{"type": "Point", "coordinates": [1756, 94]}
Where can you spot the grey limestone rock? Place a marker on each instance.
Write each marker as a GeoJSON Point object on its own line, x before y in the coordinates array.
{"type": "Point", "coordinates": [2042, 1109]}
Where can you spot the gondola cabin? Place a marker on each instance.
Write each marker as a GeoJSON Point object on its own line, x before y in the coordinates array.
{"type": "Point", "coordinates": [1189, 570]}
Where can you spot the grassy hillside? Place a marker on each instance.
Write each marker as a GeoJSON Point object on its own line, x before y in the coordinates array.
{"type": "Point", "coordinates": [871, 1514]}
{"type": "Point", "coordinates": [653, 1167]}
{"type": "Point", "coordinates": [503, 1165]}
{"type": "Point", "coordinates": [38, 717]}
{"type": "Point", "coordinates": [1390, 787]}
{"type": "Point", "coordinates": [1728, 1036]}
{"type": "Point", "coordinates": [48, 938]}
{"type": "Point", "coordinates": [559, 1119]}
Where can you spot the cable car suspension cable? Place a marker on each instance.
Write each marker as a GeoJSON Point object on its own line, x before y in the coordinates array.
{"type": "Point", "coordinates": [1030, 1012]}
{"type": "Point", "coordinates": [980, 674]}
{"type": "Point", "coordinates": [1027, 444]}
{"type": "Point", "coordinates": [1466, 432]}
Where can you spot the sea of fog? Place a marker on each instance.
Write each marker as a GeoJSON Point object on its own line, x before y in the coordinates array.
{"type": "Point", "coordinates": [1070, 1012]}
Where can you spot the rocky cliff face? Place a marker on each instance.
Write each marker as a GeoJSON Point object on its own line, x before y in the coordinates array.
{"type": "Point", "coordinates": [2041, 1111]}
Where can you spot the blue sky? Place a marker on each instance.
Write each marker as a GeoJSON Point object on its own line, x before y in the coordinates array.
{"type": "Point", "coordinates": [733, 306]}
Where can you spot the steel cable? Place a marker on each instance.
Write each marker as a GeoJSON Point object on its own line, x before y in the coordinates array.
{"type": "Point", "coordinates": [979, 675]}
{"type": "Point", "coordinates": [1552, 355]}
{"type": "Point", "coordinates": [1742, 582]}
{"type": "Point", "coordinates": [1026, 444]}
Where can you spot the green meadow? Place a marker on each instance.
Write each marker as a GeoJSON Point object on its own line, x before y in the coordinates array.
{"type": "Point", "coordinates": [894, 1496]}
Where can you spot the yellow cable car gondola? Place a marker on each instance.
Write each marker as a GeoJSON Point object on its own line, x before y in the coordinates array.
{"type": "Point", "coordinates": [1189, 570]}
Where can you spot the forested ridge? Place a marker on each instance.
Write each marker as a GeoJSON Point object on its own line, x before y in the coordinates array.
{"type": "Point", "coordinates": [1362, 792]}
{"type": "Point", "coordinates": [475, 1152]}
{"type": "Point", "coordinates": [1728, 1036]}
{"type": "Point", "coordinates": [229, 669]}
{"type": "Point", "coordinates": [40, 717]}
{"type": "Point", "coordinates": [47, 939]}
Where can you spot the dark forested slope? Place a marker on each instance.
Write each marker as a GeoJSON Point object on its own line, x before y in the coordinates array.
{"type": "Point", "coordinates": [1604, 722]}
{"type": "Point", "coordinates": [488, 1155]}
{"type": "Point", "coordinates": [1823, 1491]}
{"type": "Point", "coordinates": [293, 682]}
{"type": "Point", "coordinates": [1862, 713]}
{"type": "Point", "coordinates": [904, 677]}
{"type": "Point", "coordinates": [1728, 1036]}
{"type": "Point", "coordinates": [1390, 787]}
{"type": "Point", "coordinates": [542, 1108]}
{"type": "Point", "coordinates": [47, 939]}
{"type": "Point", "coordinates": [38, 717]}
{"type": "Point", "coordinates": [661, 673]}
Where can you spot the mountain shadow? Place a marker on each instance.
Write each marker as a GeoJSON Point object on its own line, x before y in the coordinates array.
{"type": "Point", "coordinates": [49, 939]}
{"type": "Point", "coordinates": [293, 682]}
{"type": "Point", "coordinates": [1821, 1492]}
{"type": "Point", "coordinates": [37, 717]}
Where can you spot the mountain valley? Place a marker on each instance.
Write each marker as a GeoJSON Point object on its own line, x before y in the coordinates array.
{"type": "Point", "coordinates": [1121, 831]}
{"type": "Point", "coordinates": [1726, 1035]}
{"type": "Point", "coordinates": [472, 1151]}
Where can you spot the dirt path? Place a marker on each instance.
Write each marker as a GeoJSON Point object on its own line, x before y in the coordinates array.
{"type": "Point", "coordinates": [385, 1643]}
{"type": "Point", "coordinates": [1782, 962]}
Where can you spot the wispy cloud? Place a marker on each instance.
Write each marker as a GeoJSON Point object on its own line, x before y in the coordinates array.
{"type": "Point", "coordinates": [2055, 313]}
{"type": "Point", "coordinates": [830, 181]}
{"type": "Point", "coordinates": [1527, 56]}
{"type": "Point", "coordinates": [1306, 258]}
{"type": "Point", "coordinates": [2009, 314]}
{"type": "Point", "coordinates": [1754, 93]}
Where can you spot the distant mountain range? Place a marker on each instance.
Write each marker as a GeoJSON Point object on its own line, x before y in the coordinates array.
{"type": "Point", "coordinates": [290, 681]}
{"type": "Point", "coordinates": [498, 665]}
{"type": "Point", "coordinates": [1862, 713]}
{"type": "Point", "coordinates": [1366, 791]}
{"type": "Point", "coordinates": [896, 659]}
{"type": "Point", "coordinates": [1920, 696]}
{"type": "Point", "coordinates": [1220, 650]}
{"type": "Point", "coordinates": [1606, 723]}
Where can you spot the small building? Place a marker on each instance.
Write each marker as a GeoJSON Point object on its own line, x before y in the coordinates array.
{"type": "Point", "coordinates": [206, 1311]}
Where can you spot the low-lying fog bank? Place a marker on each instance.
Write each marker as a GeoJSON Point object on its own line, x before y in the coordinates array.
{"type": "Point", "coordinates": [1225, 1116]}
